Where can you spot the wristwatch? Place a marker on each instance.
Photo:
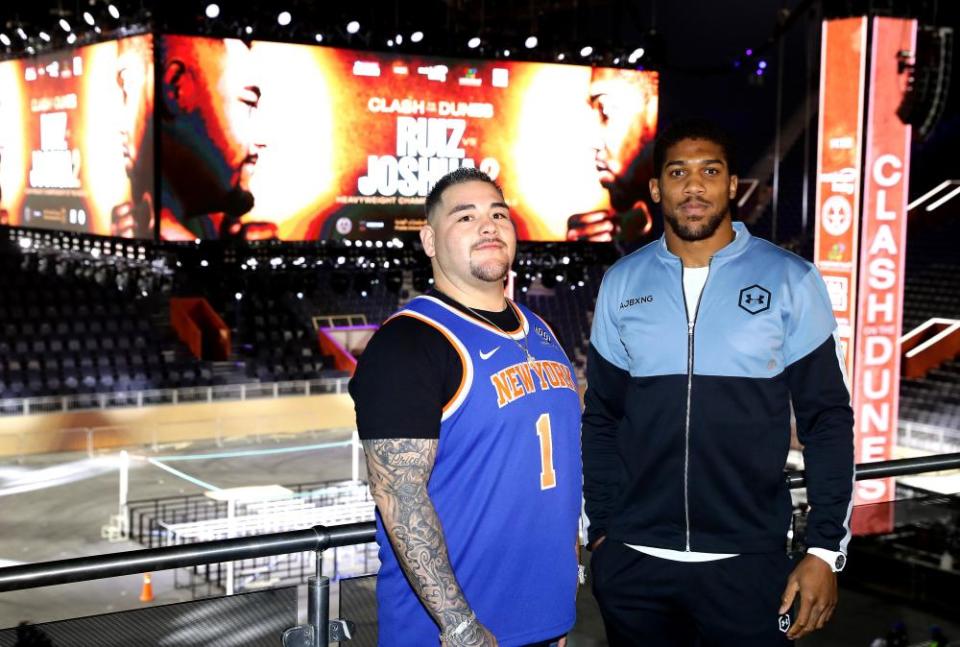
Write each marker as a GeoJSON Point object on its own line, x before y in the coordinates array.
{"type": "Point", "coordinates": [835, 559]}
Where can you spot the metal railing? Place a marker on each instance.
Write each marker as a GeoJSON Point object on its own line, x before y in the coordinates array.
{"type": "Point", "coordinates": [151, 397]}
{"type": "Point", "coordinates": [316, 539]}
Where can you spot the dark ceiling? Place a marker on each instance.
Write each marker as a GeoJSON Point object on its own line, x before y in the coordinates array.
{"type": "Point", "coordinates": [699, 36]}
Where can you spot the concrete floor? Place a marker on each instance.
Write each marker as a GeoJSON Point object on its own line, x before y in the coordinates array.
{"type": "Point", "coordinates": [53, 507]}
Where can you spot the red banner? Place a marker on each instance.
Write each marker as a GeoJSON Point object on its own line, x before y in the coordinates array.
{"type": "Point", "coordinates": [876, 383]}
{"type": "Point", "coordinates": [842, 66]}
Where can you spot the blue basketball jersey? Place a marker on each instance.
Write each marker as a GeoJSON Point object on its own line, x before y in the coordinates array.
{"type": "Point", "coordinates": [506, 485]}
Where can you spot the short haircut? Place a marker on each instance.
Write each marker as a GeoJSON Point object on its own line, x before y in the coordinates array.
{"type": "Point", "coordinates": [692, 128]}
{"type": "Point", "coordinates": [457, 176]}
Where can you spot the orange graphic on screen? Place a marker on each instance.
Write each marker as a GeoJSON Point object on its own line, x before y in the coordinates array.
{"type": "Point", "coordinates": [13, 147]}
{"type": "Point", "coordinates": [135, 81]}
{"type": "Point", "coordinates": [347, 144]}
{"type": "Point", "coordinates": [624, 105]}
{"type": "Point", "coordinates": [117, 136]}
{"type": "Point", "coordinates": [63, 167]}
{"type": "Point", "coordinates": [296, 175]}
{"type": "Point", "coordinates": [209, 138]}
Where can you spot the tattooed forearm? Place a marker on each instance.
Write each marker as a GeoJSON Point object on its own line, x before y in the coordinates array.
{"type": "Point", "coordinates": [398, 471]}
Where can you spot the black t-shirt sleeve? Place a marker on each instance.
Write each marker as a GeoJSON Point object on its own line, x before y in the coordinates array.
{"type": "Point", "coordinates": [405, 376]}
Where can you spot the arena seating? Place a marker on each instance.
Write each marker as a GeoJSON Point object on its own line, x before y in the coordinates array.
{"type": "Point", "coordinates": [932, 290]}
{"type": "Point", "coordinates": [71, 334]}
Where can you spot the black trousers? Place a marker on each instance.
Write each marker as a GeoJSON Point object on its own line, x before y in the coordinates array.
{"type": "Point", "coordinates": [646, 601]}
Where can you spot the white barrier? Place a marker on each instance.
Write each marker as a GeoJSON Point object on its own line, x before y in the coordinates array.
{"type": "Point", "coordinates": [134, 399]}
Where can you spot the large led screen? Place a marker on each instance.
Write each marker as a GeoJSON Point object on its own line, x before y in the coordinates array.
{"type": "Point", "coordinates": [76, 139]}
{"type": "Point", "coordinates": [264, 140]}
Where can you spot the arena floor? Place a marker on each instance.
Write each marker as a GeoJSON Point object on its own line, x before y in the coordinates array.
{"type": "Point", "coordinates": [53, 507]}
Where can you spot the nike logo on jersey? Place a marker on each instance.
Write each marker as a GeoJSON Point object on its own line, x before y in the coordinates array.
{"type": "Point", "coordinates": [489, 353]}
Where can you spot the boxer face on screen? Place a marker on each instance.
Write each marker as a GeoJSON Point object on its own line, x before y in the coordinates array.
{"type": "Point", "coordinates": [135, 82]}
{"type": "Point", "coordinates": [619, 104]}
{"type": "Point", "coordinates": [211, 143]}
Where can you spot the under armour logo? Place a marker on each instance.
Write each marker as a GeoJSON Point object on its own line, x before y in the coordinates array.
{"type": "Point", "coordinates": [755, 299]}
{"type": "Point", "coordinates": [784, 622]}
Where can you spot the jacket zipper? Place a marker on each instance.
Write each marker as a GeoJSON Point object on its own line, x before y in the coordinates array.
{"type": "Point", "coordinates": [691, 325]}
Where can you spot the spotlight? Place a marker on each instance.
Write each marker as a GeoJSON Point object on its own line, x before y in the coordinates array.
{"type": "Point", "coordinates": [762, 65]}
{"type": "Point", "coordinates": [64, 25]}
{"type": "Point", "coordinates": [561, 56]}
{"type": "Point", "coordinates": [71, 38]}
{"type": "Point", "coordinates": [45, 36]}
{"type": "Point", "coordinates": [97, 29]}
{"type": "Point", "coordinates": [416, 36]}
{"type": "Point", "coordinates": [238, 296]}
{"type": "Point", "coordinates": [213, 10]}
{"type": "Point", "coordinates": [284, 18]}
{"type": "Point", "coordinates": [531, 42]}
{"type": "Point", "coordinates": [474, 42]}
{"type": "Point", "coordinates": [318, 38]}
{"type": "Point", "coordinates": [398, 39]}
{"type": "Point", "coordinates": [114, 12]}
{"type": "Point", "coordinates": [22, 34]}
{"type": "Point", "coordinates": [5, 40]}
{"type": "Point", "coordinates": [749, 52]}
{"type": "Point", "coordinates": [88, 18]}
{"type": "Point", "coordinates": [390, 42]}
{"type": "Point", "coordinates": [506, 53]}
{"type": "Point", "coordinates": [353, 27]}
{"type": "Point", "coordinates": [586, 51]}
{"type": "Point", "coordinates": [635, 55]}
{"type": "Point", "coordinates": [248, 30]}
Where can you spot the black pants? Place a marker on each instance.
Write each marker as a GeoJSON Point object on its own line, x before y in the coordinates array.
{"type": "Point", "coordinates": [651, 602]}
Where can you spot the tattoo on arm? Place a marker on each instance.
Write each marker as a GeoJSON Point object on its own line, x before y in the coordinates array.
{"type": "Point", "coordinates": [398, 471]}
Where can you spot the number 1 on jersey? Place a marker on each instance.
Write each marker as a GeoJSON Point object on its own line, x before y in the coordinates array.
{"type": "Point", "coordinates": [548, 477]}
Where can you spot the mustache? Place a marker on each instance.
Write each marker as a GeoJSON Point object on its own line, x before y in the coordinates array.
{"type": "Point", "coordinates": [487, 241]}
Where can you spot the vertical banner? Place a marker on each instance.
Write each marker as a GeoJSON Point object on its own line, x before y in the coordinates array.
{"type": "Point", "coordinates": [842, 66]}
{"type": "Point", "coordinates": [876, 382]}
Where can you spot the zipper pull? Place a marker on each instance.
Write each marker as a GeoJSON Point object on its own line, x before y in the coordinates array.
{"type": "Point", "coordinates": [690, 327]}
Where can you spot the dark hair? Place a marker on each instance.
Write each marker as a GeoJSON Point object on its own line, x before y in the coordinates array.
{"type": "Point", "coordinates": [692, 128]}
{"type": "Point", "coordinates": [457, 176]}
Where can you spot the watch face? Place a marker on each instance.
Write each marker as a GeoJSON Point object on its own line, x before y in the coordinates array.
{"type": "Point", "coordinates": [841, 562]}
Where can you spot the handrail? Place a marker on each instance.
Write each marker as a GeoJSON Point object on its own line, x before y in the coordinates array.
{"type": "Point", "coordinates": [883, 469]}
{"type": "Point", "coordinates": [95, 567]}
{"type": "Point", "coordinates": [318, 538]}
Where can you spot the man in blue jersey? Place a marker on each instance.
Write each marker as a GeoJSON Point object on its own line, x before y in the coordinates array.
{"type": "Point", "coordinates": [469, 414]}
{"type": "Point", "coordinates": [701, 341]}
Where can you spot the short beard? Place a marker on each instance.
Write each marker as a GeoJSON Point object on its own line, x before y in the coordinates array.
{"type": "Point", "coordinates": [705, 231]}
{"type": "Point", "coordinates": [490, 272]}
{"type": "Point", "coordinates": [238, 202]}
